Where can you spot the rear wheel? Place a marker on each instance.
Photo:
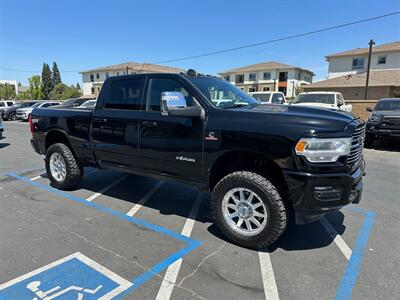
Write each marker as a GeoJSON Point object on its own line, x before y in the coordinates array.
{"type": "Point", "coordinates": [62, 168]}
{"type": "Point", "coordinates": [249, 210]}
{"type": "Point", "coordinates": [12, 117]}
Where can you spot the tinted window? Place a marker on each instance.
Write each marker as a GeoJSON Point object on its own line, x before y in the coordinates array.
{"type": "Point", "coordinates": [46, 105]}
{"type": "Point", "coordinates": [10, 103]}
{"type": "Point", "coordinates": [277, 98]}
{"type": "Point", "coordinates": [125, 94]}
{"type": "Point", "coordinates": [158, 86]}
{"type": "Point", "coordinates": [2, 104]}
{"type": "Point", "coordinates": [315, 98]}
{"type": "Point", "coordinates": [388, 105]}
{"type": "Point", "coordinates": [262, 97]}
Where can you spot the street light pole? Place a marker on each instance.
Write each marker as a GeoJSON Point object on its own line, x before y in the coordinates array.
{"type": "Point", "coordinates": [371, 43]}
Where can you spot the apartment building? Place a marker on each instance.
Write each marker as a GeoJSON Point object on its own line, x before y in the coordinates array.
{"type": "Point", "coordinates": [355, 61]}
{"type": "Point", "coordinates": [269, 76]}
{"type": "Point", "coordinates": [93, 79]}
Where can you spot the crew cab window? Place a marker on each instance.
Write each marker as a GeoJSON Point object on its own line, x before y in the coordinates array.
{"type": "Point", "coordinates": [125, 94]}
{"type": "Point", "coordinates": [2, 104]}
{"type": "Point", "coordinates": [10, 103]}
{"type": "Point", "coordinates": [340, 99]}
{"type": "Point", "coordinates": [277, 98]}
{"type": "Point", "coordinates": [158, 86]}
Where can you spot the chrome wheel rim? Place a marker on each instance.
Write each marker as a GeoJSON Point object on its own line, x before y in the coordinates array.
{"type": "Point", "coordinates": [244, 211]}
{"type": "Point", "coordinates": [57, 167]}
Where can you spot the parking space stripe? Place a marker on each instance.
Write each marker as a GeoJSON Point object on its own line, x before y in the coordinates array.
{"type": "Point", "coordinates": [268, 277]}
{"type": "Point", "coordinates": [36, 178]}
{"type": "Point", "coordinates": [105, 189]}
{"type": "Point", "coordinates": [171, 275]}
{"type": "Point", "coordinates": [144, 199]}
{"type": "Point", "coordinates": [336, 238]}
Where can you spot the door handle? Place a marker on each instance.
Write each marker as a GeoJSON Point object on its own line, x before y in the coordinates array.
{"type": "Point", "coordinates": [100, 120]}
{"type": "Point", "coordinates": [149, 124]}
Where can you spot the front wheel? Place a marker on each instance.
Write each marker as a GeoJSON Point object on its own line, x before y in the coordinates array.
{"type": "Point", "coordinates": [249, 210]}
{"type": "Point", "coordinates": [62, 168]}
{"type": "Point", "coordinates": [12, 117]}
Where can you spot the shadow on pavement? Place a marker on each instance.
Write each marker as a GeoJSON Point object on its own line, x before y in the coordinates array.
{"type": "Point", "coordinates": [3, 145]}
{"type": "Point", "coordinates": [386, 145]}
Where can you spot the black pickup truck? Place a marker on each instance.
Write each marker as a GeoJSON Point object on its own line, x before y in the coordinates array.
{"type": "Point", "coordinates": [262, 163]}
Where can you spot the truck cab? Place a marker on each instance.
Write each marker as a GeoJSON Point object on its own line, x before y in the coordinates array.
{"type": "Point", "coordinates": [269, 97]}
{"type": "Point", "coordinates": [330, 100]}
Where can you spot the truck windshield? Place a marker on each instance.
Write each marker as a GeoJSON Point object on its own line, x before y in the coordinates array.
{"type": "Point", "coordinates": [220, 93]}
{"type": "Point", "coordinates": [264, 97]}
{"type": "Point", "coordinates": [315, 98]}
{"type": "Point", "coordinates": [388, 105]}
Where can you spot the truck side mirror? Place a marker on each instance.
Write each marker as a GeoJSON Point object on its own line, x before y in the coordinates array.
{"type": "Point", "coordinates": [369, 109]}
{"type": "Point", "coordinates": [174, 104]}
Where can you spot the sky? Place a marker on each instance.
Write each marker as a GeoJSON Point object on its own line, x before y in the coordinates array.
{"type": "Point", "coordinates": [81, 35]}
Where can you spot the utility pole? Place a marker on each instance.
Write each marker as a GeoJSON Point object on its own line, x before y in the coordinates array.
{"type": "Point", "coordinates": [127, 70]}
{"type": "Point", "coordinates": [371, 43]}
{"type": "Point", "coordinates": [5, 85]}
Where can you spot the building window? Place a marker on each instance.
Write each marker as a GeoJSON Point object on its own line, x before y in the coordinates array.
{"type": "Point", "coordinates": [117, 73]}
{"type": "Point", "coordinates": [252, 90]}
{"type": "Point", "coordinates": [252, 77]}
{"type": "Point", "coordinates": [107, 75]}
{"type": "Point", "coordinates": [267, 76]}
{"type": "Point", "coordinates": [298, 75]}
{"type": "Point", "coordinates": [91, 77]}
{"type": "Point", "coordinates": [239, 78]}
{"type": "Point", "coordinates": [92, 90]}
{"type": "Point", "coordinates": [381, 60]}
{"type": "Point", "coordinates": [97, 76]}
{"type": "Point", "coordinates": [266, 89]}
{"type": "Point", "coordinates": [358, 63]}
{"type": "Point", "coordinates": [227, 78]}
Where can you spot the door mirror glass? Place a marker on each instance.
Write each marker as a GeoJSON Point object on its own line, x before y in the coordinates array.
{"type": "Point", "coordinates": [172, 100]}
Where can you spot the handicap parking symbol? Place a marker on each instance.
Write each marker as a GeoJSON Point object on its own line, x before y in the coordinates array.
{"type": "Point", "coordinates": [75, 277]}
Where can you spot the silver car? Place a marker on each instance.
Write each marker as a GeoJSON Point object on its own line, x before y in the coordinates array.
{"type": "Point", "coordinates": [24, 113]}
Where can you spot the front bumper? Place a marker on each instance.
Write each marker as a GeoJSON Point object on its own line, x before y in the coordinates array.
{"type": "Point", "coordinates": [378, 131]}
{"type": "Point", "coordinates": [314, 195]}
{"type": "Point", "coordinates": [22, 116]}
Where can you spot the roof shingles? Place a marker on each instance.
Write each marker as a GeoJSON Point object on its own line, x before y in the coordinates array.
{"type": "Point", "coordinates": [394, 46]}
{"type": "Point", "coordinates": [137, 67]}
{"type": "Point", "coordinates": [269, 65]}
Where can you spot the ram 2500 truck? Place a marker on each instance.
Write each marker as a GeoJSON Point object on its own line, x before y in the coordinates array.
{"type": "Point", "coordinates": [262, 163]}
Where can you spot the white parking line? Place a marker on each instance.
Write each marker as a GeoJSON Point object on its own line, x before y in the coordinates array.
{"type": "Point", "coordinates": [171, 275]}
{"type": "Point", "coordinates": [336, 238]}
{"type": "Point", "coordinates": [144, 199]}
{"type": "Point", "coordinates": [89, 172]}
{"type": "Point", "coordinates": [36, 178]}
{"type": "Point", "coordinates": [268, 277]}
{"type": "Point", "coordinates": [102, 191]}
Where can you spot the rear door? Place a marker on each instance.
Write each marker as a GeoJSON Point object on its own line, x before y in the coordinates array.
{"type": "Point", "coordinates": [115, 123]}
{"type": "Point", "coordinates": [170, 145]}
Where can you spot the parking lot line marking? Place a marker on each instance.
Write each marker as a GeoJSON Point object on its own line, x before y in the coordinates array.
{"type": "Point", "coordinates": [268, 277]}
{"type": "Point", "coordinates": [168, 283]}
{"type": "Point", "coordinates": [36, 178]}
{"type": "Point", "coordinates": [105, 189]}
{"type": "Point", "coordinates": [144, 199]}
{"type": "Point", "coordinates": [350, 276]}
{"type": "Point", "coordinates": [339, 241]}
{"type": "Point", "coordinates": [191, 244]}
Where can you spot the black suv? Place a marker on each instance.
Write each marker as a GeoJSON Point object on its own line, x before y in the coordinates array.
{"type": "Point", "coordinates": [10, 113]}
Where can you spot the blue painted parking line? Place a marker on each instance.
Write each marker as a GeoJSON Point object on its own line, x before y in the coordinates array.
{"type": "Point", "coordinates": [191, 244]}
{"type": "Point", "coordinates": [350, 276]}
{"type": "Point", "coordinates": [73, 277]}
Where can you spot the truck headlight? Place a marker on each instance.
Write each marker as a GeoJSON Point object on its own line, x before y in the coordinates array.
{"type": "Point", "coordinates": [323, 150]}
{"type": "Point", "coordinates": [374, 119]}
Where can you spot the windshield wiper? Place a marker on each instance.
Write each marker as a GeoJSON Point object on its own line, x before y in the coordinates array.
{"type": "Point", "coordinates": [234, 105]}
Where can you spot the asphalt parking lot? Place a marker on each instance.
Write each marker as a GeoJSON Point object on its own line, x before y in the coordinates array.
{"type": "Point", "coordinates": [132, 237]}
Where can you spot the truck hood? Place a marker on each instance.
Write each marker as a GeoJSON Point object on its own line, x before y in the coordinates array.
{"type": "Point", "coordinates": [304, 120]}
{"type": "Point", "coordinates": [387, 113]}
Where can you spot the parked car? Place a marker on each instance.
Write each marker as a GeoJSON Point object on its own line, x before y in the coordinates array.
{"type": "Point", "coordinates": [261, 163]}
{"type": "Point", "coordinates": [269, 97]}
{"type": "Point", "coordinates": [384, 122]}
{"type": "Point", "coordinates": [1, 129]}
{"type": "Point", "coordinates": [5, 104]}
{"type": "Point", "coordinates": [24, 113]}
{"type": "Point", "coordinates": [88, 104]}
{"type": "Point", "coordinates": [331, 100]}
{"type": "Point", "coordinates": [10, 113]}
{"type": "Point", "coordinates": [73, 102]}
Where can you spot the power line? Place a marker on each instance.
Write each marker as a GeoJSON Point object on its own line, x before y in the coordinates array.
{"type": "Point", "coordinates": [246, 46]}
{"type": "Point", "coordinates": [279, 39]}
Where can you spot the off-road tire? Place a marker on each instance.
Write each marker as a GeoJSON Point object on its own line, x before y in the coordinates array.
{"type": "Point", "coordinates": [278, 215]}
{"type": "Point", "coordinates": [74, 171]}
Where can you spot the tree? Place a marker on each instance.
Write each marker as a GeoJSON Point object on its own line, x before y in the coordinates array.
{"type": "Point", "coordinates": [56, 79]}
{"type": "Point", "coordinates": [62, 92]}
{"type": "Point", "coordinates": [47, 85]}
{"type": "Point", "coordinates": [78, 86]}
{"type": "Point", "coordinates": [7, 91]}
{"type": "Point", "coordinates": [35, 87]}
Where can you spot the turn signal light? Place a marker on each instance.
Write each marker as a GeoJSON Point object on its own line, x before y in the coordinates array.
{"type": "Point", "coordinates": [300, 146]}
{"type": "Point", "coordinates": [31, 124]}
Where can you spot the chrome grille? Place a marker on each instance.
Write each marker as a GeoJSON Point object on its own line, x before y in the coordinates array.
{"type": "Point", "coordinates": [357, 146]}
{"type": "Point", "coordinates": [391, 121]}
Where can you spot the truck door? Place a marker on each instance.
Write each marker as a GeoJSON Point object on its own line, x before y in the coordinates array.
{"type": "Point", "coordinates": [115, 123]}
{"type": "Point", "coordinates": [170, 145]}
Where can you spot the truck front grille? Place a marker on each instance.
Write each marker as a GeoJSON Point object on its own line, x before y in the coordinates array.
{"type": "Point", "coordinates": [357, 145]}
{"type": "Point", "coordinates": [391, 121]}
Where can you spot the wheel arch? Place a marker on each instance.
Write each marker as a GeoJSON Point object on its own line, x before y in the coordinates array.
{"type": "Point", "coordinates": [57, 136]}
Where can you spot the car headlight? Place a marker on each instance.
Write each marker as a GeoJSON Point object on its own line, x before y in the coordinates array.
{"type": "Point", "coordinates": [374, 119]}
{"type": "Point", "coordinates": [323, 150]}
